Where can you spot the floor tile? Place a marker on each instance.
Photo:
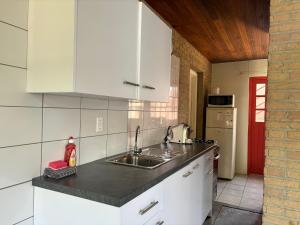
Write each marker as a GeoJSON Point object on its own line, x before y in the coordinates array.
{"type": "Point", "coordinates": [235, 187]}
{"type": "Point", "coordinates": [229, 199]}
{"type": "Point", "coordinates": [254, 190]}
{"type": "Point", "coordinates": [251, 204]}
{"type": "Point", "coordinates": [234, 192]}
{"type": "Point", "coordinates": [243, 191]}
{"type": "Point", "coordinates": [239, 180]}
{"type": "Point", "coordinates": [252, 195]}
{"type": "Point", "coordinates": [231, 216]}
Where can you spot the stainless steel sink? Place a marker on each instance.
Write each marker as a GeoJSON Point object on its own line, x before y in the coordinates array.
{"type": "Point", "coordinates": [150, 158]}
{"type": "Point", "coordinates": [142, 161]}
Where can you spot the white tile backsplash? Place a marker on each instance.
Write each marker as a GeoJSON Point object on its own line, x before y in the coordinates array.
{"type": "Point", "coordinates": [118, 104]}
{"type": "Point", "coordinates": [27, 222]}
{"type": "Point", "coordinates": [117, 121]}
{"type": "Point", "coordinates": [61, 101]}
{"type": "Point", "coordinates": [13, 40]}
{"type": "Point", "coordinates": [116, 143]}
{"type": "Point", "coordinates": [94, 103]}
{"type": "Point", "coordinates": [152, 120]}
{"type": "Point", "coordinates": [26, 164]}
{"type": "Point", "coordinates": [16, 203]}
{"type": "Point", "coordinates": [92, 148]}
{"type": "Point", "coordinates": [135, 118]}
{"type": "Point", "coordinates": [13, 88]}
{"type": "Point", "coordinates": [60, 124]}
{"type": "Point", "coordinates": [20, 125]}
{"type": "Point", "coordinates": [89, 122]}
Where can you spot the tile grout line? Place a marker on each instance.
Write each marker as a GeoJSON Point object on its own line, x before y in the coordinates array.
{"type": "Point", "coordinates": [14, 185]}
{"type": "Point", "coordinates": [79, 138]}
{"type": "Point", "coordinates": [23, 220]}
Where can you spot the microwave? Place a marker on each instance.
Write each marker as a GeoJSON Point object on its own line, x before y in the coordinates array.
{"type": "Point", "coordinates": [221, 101]}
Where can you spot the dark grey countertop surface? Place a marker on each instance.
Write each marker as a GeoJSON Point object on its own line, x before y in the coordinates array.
{"type": "Point", "coordinates": [116, 185]}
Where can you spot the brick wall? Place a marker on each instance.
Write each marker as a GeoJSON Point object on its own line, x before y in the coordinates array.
{"type": "Point", "coordinates": [282, 167]}
{"type": "Point", "coordinates": [190, 58]}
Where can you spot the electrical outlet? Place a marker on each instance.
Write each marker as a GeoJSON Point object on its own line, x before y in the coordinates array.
{"type": "Point", "coordinates": [99, 124]}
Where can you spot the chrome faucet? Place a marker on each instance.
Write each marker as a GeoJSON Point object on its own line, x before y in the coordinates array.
{"type": "Point", "coordinates": [136, 150]}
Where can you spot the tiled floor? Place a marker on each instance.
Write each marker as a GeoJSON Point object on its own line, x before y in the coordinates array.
{"type": "Point", "coordinates": [224, 215]}
{"type": "Point", "coordinates": [243, 191]}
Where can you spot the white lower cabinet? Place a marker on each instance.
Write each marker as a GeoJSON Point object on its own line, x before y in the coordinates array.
{"type": "Point", "coordinates": [158, 219]}
{"type": "Point", "coordinates": [188, 193]}
{"type": "Point", "coordinates": [144, 207]}
{"type": "Point", "coordinates": [184, 198]}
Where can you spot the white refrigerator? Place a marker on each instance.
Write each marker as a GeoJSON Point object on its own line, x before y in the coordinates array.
{"type": "Point", "coordinates": [221, 127]}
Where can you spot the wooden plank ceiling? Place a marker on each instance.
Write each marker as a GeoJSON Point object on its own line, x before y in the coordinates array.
{"type": "Point", "coordinates": [222, 30]}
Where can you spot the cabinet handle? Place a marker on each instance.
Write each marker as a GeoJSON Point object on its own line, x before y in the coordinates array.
{"type": "Point", "coordinates": [160, 222]}
{"type": "Point", "coordinates": [210, 171]}
{"type": "Point", "coordinates": [187, 174]}
{"type": "Point", "coordinates": [131, 83]}
{"type": "Point", "coordinates": [148, 87]}
{"type": "Point", "coordinates": [196, 166]}
{"type": "Point", "coordinates": [150, 206]}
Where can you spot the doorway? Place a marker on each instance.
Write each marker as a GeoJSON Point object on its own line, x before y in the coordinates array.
{"type": "Point", "coordinates": [256, 127]}
{"type": "Point", "coordinates": [193, 103]}
{"type": "Point", "coordinates": [197, 101]}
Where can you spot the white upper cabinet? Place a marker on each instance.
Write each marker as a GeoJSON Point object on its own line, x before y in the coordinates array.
{"type": "Point", "coordinates": [155, 58]}
{"type": "Point", "coordinates": [116, 48]}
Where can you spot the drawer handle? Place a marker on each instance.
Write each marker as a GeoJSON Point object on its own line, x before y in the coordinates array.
{"type": "Point", "coordinates": [187, 174]}
{"type": "Point", "coordinates": [148, 87]}
{"type": "Point", "coordinates": [160, 222]}
{"type": "Point", "coordinates": [131, 83]}
{"type": "Point", "coordinates": [150, 206]}
{"type": "Point", "coordinates": [210, 171]}
{"type": "Point", "coordinates": [196, 166]}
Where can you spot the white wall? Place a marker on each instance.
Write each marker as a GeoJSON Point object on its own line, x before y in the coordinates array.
{"type": "Point", "coordinates": [34, 128]}
{"type": "Point", "coordinates": [233, 78]}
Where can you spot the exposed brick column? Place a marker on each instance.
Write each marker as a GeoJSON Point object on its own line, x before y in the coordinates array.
{"type": "Point", "coordinates": [282, 168]}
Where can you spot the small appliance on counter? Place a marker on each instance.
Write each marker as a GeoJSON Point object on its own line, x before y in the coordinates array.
{"type": "Point", "coordinates": [179, 134]}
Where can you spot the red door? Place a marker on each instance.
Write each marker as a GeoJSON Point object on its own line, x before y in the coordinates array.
{"type": "Point", "coordinates": [256, 128]}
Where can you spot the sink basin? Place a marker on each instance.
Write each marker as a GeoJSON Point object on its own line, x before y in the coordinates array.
{"type": "Point", "coordinates": [142, 161]}
{"type": "Point", "coordinates": [150, 158]}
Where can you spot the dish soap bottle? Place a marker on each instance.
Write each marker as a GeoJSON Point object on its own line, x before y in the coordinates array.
{"type": "Point", "coordinates": [72, 161]}
{"type": "Point", "coordinates": [70, 147]}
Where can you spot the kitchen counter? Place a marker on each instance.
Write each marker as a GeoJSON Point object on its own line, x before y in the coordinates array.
{"type": "Point", "coordinates": [116, 185]}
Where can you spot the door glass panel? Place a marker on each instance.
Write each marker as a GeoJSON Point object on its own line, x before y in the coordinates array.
{"type": "Point", "coordinates": [259, 116]}
{"type": "Point", "coordinates": [260, 102]}
{"type": "Point", "coordinates": [260, 89]}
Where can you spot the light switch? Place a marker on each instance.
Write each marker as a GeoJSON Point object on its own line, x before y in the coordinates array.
{"type": "Point", "coordinates": [99, 124]}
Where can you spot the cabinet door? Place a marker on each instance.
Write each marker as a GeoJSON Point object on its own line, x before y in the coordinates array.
{"type": "Point", "coordinates": [198, 190]}
{"type": "Point", "coordinates": [155, 57]}
{"type": "Point", "coordinates": [158, 219]}
{"type": "Point", "coordinates": [208, 190]}
{"type": "Point", "coordinates": [107, 49]}
{"type": "Point", "coordinates": [177, 195]}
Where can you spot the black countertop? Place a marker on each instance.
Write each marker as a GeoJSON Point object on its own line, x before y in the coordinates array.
{"type": "Point", "coordinates": [116, 185]}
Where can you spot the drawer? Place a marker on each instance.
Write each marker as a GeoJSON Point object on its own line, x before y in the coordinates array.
{"type": "Point", "coordinates": [158, 219]}
{"type": "Point", "coordinates": [144, 207]}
